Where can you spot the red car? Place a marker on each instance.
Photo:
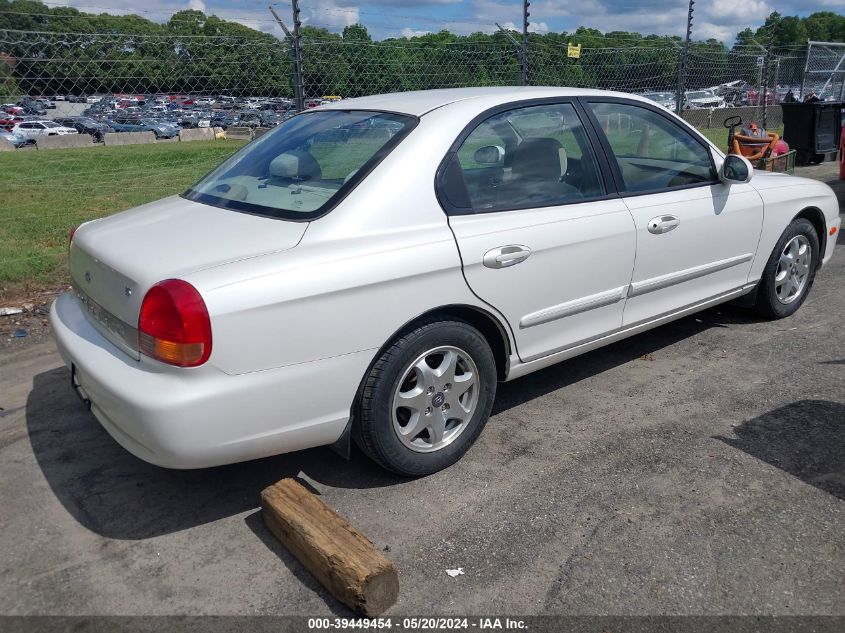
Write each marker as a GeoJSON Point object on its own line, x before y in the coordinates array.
{"type": "Point", "coordinates": [753, 97]}
{"type": "Point", "coordinates": [9, 121]}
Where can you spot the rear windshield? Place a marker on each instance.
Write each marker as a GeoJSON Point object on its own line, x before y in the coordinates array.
{"type": "Point", "coordinates": [304, 166]}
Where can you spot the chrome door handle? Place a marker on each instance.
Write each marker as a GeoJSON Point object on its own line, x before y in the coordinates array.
{"type": "Point", "coordinates": [662, 224]}
{"type": "Point", "coordinates": [505, 256]}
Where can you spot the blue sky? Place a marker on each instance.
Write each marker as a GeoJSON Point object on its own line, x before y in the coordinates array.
{"type": "Point", "coordinates": [396, 18]}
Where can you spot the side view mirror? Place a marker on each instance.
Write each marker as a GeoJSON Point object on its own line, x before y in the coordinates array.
{"type": "Point", "coordinates": [735, 170]}
{"type": "Point", "coordinates": [489, 155]}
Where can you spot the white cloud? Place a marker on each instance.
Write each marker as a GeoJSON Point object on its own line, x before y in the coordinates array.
{"type": "Point", "coordinates": [409, 32]}
{"type": "Point", "coordinates": [329, 14]}
{"type": "Point", "coordinates": [196, 5]}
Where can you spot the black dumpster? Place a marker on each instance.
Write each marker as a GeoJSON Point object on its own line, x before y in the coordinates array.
{"type": "Point", "coordinates": [812, 129]}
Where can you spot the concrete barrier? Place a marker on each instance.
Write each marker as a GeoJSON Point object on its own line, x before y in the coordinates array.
{"type": "Point", "coordinates": [64, 142]}
{"type": "Point", "coordinates": [239, 132]}
{"type": "Point", "coordinates": [705, 118]}
{"type": "Point", "coordinates": [197, 134]}
{"type": "Point", "coordinates": [129, 138]}
{"type": "Point", "coordinates": [700, 118]}
{"type": "Point", "coordinates": [6, 146]}
{"type": "Point", "coordinates": [260, 131]}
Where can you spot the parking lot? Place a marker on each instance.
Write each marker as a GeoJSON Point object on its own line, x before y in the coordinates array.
{"type": "Point", "coordinates": [695, 469]}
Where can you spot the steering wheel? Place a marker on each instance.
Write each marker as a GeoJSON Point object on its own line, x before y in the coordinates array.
{"type": "Point", "coordinates": [732, 121]}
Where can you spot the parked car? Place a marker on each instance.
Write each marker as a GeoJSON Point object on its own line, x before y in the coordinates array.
{"type": "Point", "coordinates": [86, 125]}
{"type": "Point", "coordinates": [316, 288]}
{"type": "Point", "coordinates": [703, 99]}
{"type": "Point", "coordinates": [162, 129]}
{"type": "Point", "coordinates": [30, 107]}
{"type": "Point", "coordinates": [18, 140]}
{"type": "Point", "coordinates": [37, 129]}
{"type": "Point", "coordinates": [8, 121]}
{"type": "Point", "coordinates": [665, 99]}
{"type": "Point", "coordinates": [735, 93]}
{"type": "Point", "coordinates": [129, 127]}
{"type": "Point", "coordinates": [753, 97]}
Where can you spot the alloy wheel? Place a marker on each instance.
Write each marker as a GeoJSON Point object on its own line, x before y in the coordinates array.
{"type": "Point", "coordinates": [435, 399]}
{"type": "Point", "coordinates": [793, 269]}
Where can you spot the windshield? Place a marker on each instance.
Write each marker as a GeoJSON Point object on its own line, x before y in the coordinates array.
{"type": "Point", "coordinates": [50, 124]}
{"type": "Point", "coordinates": [305, 165]}
{"type": "Point", "coordinates": [703, 94]}
{"type": "Point", "coordinates": [659, 96]}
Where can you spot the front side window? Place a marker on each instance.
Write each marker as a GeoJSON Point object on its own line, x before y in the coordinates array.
{"type": "Point", "coordinates": [533, 156]}
{"type": "Point", "coordinates": [299, 169]}
{"type": "Point", "coordinates": [651, 151]}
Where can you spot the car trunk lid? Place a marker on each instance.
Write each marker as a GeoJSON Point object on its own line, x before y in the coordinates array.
{"type": "Point", "coordinates": [115, 260]}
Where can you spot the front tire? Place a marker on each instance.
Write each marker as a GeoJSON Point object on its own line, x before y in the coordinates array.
{"type": "Point", "coordinates": [790, 271]}
{"type": "Point", "coordinates": [427, 398]}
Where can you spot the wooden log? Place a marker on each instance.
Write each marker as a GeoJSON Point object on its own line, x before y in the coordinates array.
{"type": "Point", "coordinates": [339, 556]}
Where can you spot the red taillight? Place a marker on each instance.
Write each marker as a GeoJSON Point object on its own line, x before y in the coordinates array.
{"type": "Point", "coordinates": [174, 326]}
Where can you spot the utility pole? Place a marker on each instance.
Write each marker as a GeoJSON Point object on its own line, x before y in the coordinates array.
{"type": "Point", "coordinates": [296, 49]}
{"type": "Point", "coordinates": [682, 66]}
{"type": "Point", "coordinates": [526, 75]}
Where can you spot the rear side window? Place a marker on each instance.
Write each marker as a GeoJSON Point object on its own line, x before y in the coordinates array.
{"type": "Point", "coordinates": [652, 152]}
{"type": "Point", "coordinates": [305, 165]}
{"type": "Point", "coordinates": [535, 156]}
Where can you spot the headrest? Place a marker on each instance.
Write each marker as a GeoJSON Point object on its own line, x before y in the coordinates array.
{"type": "Point", "coordinates": [538, 159]}
{"type": "Point", "coordinates": [295, 166]}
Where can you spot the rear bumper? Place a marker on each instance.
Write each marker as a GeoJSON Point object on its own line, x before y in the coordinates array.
{"type": "Point", "coordinates": [196, 418]}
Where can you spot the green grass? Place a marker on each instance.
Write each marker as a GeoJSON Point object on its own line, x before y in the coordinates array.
{"type": "Point", "coordinates": [45, 193]}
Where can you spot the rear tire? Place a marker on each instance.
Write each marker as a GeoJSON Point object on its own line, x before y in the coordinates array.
{"type": "Point", "coordinates": [427, 398]}
{"type": "Point", "coordinates": [790, 271]}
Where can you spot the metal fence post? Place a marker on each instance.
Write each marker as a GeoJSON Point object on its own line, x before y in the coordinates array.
{"type": "Point", "coordinates": [520, 54]}
{"type": "Point", "coordinates": [682, 62]}
{"type": "Point", "coordinates": [298, 83]}
{"type": "Point", "coordinates": [804, 74]}
{"type": "Point", "coordinates": [765, 89]}
{"type": "Point", "coordinates": [525, 78]}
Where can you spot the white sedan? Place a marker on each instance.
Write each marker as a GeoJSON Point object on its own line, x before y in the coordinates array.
{"type": "Point", "coordinates": [369, 270]}
{"type": "Point", "coordinates": [37, 129]}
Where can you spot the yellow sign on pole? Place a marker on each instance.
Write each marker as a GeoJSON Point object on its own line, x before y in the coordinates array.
{"type": "Point", "coordinates": [573, 50]}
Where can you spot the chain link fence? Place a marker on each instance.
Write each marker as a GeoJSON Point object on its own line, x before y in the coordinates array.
{"type": "Point", "coordinates": [824, 71]}
{"type": "Point", "coordinates": [247, 82]}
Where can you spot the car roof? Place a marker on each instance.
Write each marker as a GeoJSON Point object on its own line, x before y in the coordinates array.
{"type": "Point", "coordinates": [420, 102]}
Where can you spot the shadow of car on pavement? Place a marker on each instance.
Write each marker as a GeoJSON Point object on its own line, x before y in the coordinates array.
{"type": "Point", "coordinates": [113, 493]}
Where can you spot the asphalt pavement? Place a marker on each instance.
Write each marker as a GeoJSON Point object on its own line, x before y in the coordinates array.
{"type": "Point", "coordinates": [695, 469]}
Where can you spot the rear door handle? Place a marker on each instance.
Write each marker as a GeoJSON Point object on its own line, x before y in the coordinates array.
{"type": "Point", "coordinates": [662, 224]}
{"type": "Point", "coordinates": [505, 256]}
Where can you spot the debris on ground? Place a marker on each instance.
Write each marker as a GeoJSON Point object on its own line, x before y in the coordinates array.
{"type": "Point", "coordinates": [647, 357]}
{"type": "Point", "coordinates": [454, 573]}
{"type": "Point", "coordinates": [19, 333]}
{"type": "Point", "coordinates": [10, 311]}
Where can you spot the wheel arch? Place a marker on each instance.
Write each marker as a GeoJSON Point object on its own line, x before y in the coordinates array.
{"type": "Point", "coordinates": [490, 327]}
{"type": "Point", "coordinates": [815, 217]}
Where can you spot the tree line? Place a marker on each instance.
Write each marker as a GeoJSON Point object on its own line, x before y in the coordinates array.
{"type": "Point", "coordinates": [52, 50]}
